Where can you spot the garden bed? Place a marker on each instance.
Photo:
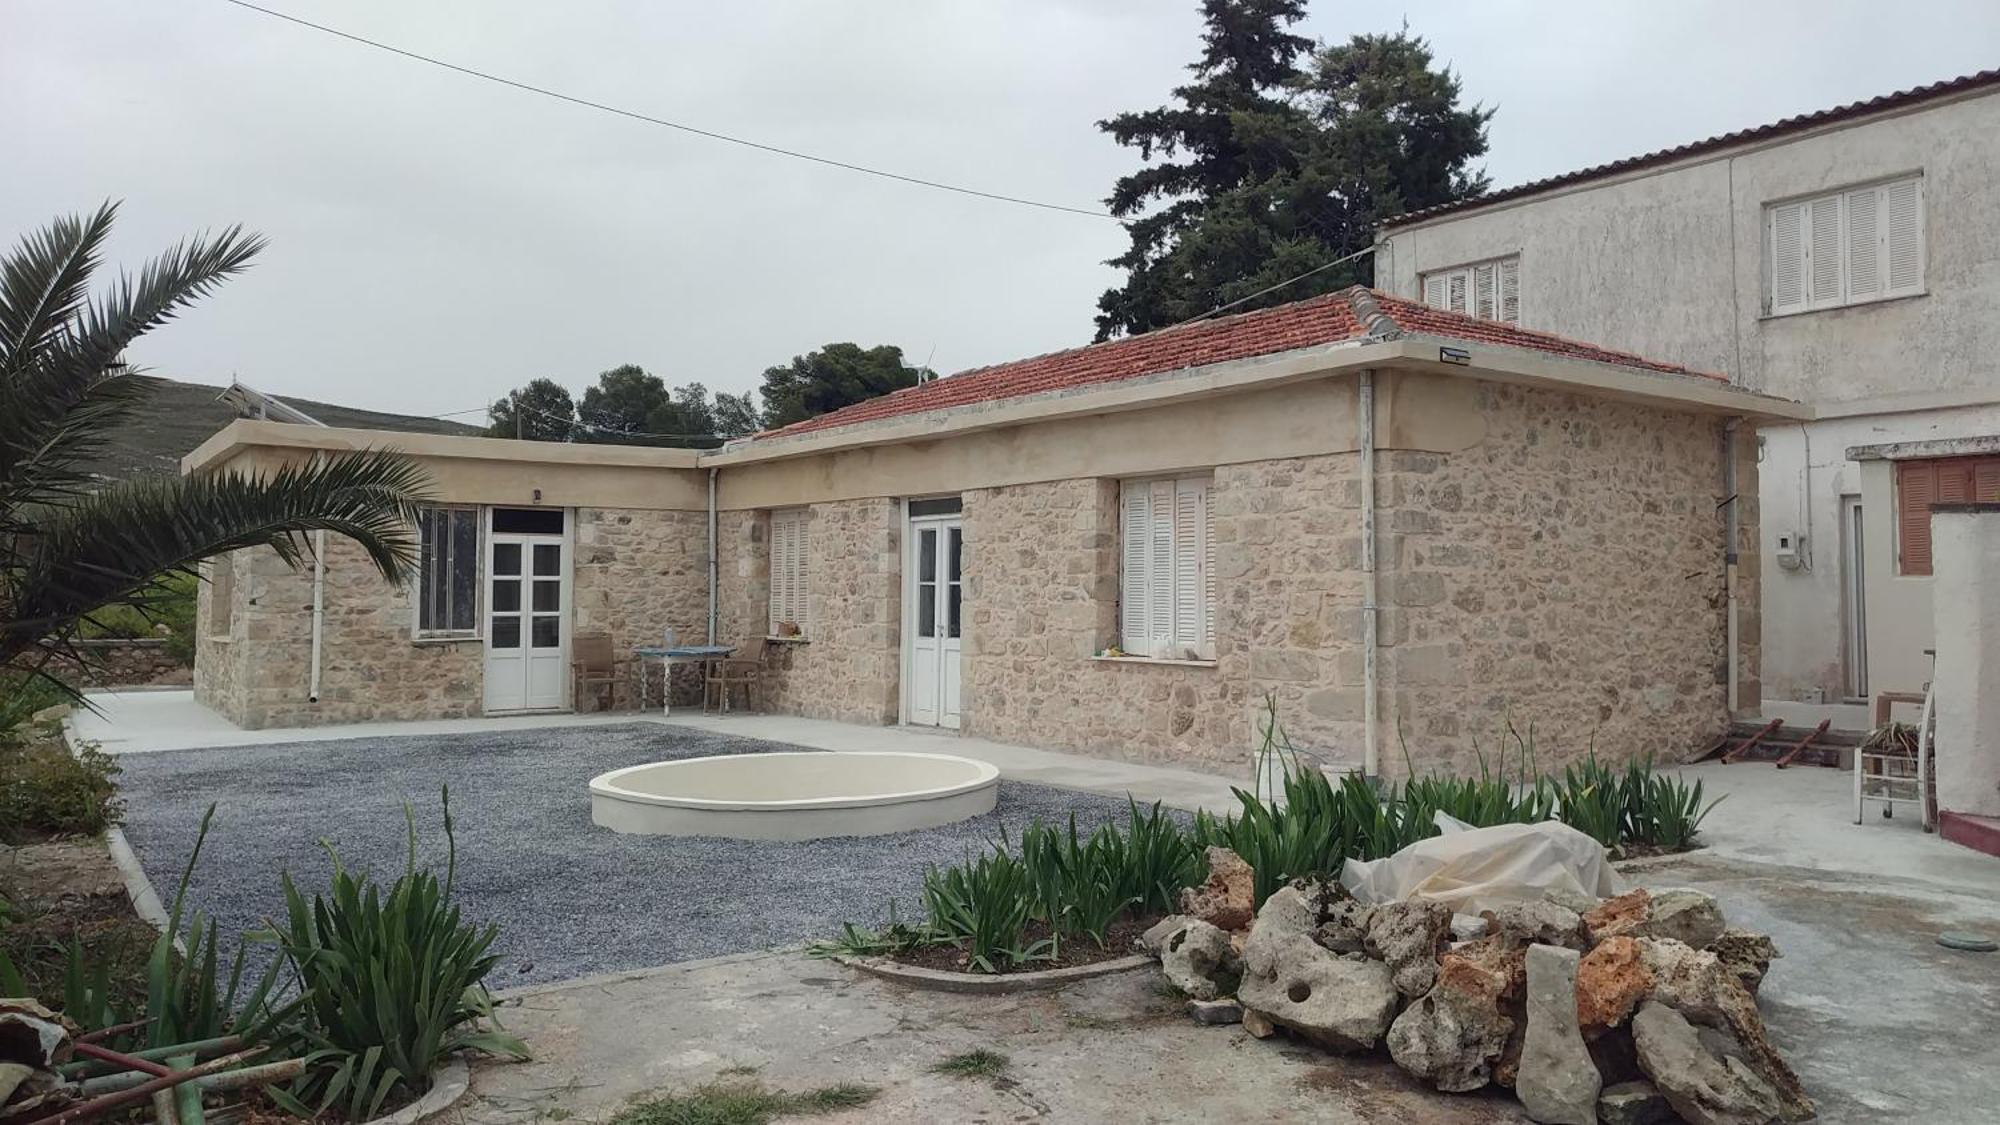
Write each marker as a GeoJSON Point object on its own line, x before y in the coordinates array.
{"type": "Point", "coordinates": [1072, 952]}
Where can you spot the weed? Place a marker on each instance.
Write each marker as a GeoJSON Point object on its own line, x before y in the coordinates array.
{"type": "Point", "coordinates": [980, 1063]}
{"type": "Point", "coordinates": [742, 1103]}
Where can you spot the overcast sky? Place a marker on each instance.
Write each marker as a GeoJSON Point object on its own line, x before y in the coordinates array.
{"type": "Point", "coordinates": [436, 240]}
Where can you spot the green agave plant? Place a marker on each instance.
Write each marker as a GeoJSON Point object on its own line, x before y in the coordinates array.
{"type": "Point", "coordinates": [389, 984]}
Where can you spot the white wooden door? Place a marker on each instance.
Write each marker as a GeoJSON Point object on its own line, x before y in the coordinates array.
{"type": "Point", "coordinates": [527, 635]}
{"type": "Point", "coordinates": [933, 575]}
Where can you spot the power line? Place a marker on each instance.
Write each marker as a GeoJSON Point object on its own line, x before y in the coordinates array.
{"type": "Point", "coordinates": [1269, 289]}
{"type": "Point", "coordinates": [651, 120]}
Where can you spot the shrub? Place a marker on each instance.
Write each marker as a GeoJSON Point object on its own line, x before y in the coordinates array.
{"type": "Point", "coordinates": [21, 695]}
{"type": "Point", "coordinates": [389, 984]}
{"type": "Point", "coordinates": [985, 904]}
{"type": "Point", "coordinates": [169, 601]}
{"type": "Point", "coordinates": [45, 789]}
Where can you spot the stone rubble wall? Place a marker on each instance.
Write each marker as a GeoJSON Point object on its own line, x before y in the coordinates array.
{"type": "Point", "coordinates": [1568, 573]}
{"type": "Point", "coordinates": [636, 574]}
{"type": "Point", "coordinates": [125, 662]}
{"type": "Point", "coordinates": [1042, 587]}
{"type": "Point", "coordinates": [848, 666]}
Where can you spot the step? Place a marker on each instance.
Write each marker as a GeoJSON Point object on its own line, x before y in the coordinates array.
{"type": "Point", "coordinates": [1980, 833]}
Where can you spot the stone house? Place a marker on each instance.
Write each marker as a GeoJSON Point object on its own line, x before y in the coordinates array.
{"type": "Point", "coordinates": [1406, 526]}
{"type": "Point", "coordinates": [1848, 259]}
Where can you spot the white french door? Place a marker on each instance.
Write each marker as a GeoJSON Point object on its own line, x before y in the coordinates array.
{"type": "Point", "coordinates": [932, 601]}
{"type": "Point", "coordinates": [527, 595]}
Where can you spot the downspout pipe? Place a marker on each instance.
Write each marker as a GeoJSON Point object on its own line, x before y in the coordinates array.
{"type": "Point", "coordinates": [1371, 757]}
{"type": "Point", "coordinates": [1729, 558]}
{"type": "Point", "coordinates": [319, 613]}
{"type": "Point", "coordinates": [713, 558]}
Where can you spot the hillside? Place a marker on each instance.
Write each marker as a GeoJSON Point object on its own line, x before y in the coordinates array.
{"type": "Point", "coordinates": [178, 416]}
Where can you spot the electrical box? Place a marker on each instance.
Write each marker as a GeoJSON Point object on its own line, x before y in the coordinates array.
{"type": "Point", "coordinates": [1791, 550]}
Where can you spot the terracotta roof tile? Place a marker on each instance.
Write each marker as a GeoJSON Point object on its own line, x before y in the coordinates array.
{"type": "Point", "coordinates": [1799, 123]}
{"type": "Point", "coordinates": [1329, 319]}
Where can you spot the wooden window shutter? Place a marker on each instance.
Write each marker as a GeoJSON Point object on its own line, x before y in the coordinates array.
{"type": "Point", "coordinates": [1434, 293]}
{"type": "Point", "coordinates": [789, 550]}
{"type": "Point", "coordinates": [1134, 583]}
{"type": "Point", "coordinates": [1903, 236]}
{"type": "Point", "coordinates": [1864, 244]}
{"type": "Point", "coordinates": [1510, 291]}
{"type": "Point", "coordinates": [1485, 292]}
{"type": "Point", "coordinates": [1823, 252]}
{"type": "Point", "coordinates": [1788, 258]}
{"type": "Point", "coordinates": [1455, 283]}
{"type": "Point", "coordinates": [1916, 490]}
{"type": "Point", "coordinates": [1190, 563]}
{"type": "Point", "coordinates": [1160, 565]}
{"type": "Point", "coordinates": [1986, 481]}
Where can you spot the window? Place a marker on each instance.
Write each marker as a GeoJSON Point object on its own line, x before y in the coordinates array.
{"type": "Point", "coordinates": [448, 572]}
{"type": "Point", "coordinates": [1847, 248]}
{"type": "Point", "coordinates": [789, 589]}
{"type": "Point", "coordinates": [1167, 581]}
{"type": "Point", "coordinates": [1946, 480]}
{"type": "Point", "coordinates": [1487, 290]}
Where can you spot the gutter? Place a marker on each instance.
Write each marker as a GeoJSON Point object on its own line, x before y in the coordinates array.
{"type": "Point", "coordinates": [319, 613]}
{"type": "Point", "coordinates": [1371, 753]}
{"type": "Point", "coordinates": [1729, 558]}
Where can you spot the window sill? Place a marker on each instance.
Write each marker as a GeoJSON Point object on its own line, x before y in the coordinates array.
{"type": "Point", "coordinates": [789, 640]}
{"type": "Point", "coordinates": [219, 640]}
{"type": "Point", "coordinates": [1870, 302]}
{"type": "Point", "coordinates": [1154, 660]}
{"type": "Point", "coordinates": [457, 640]}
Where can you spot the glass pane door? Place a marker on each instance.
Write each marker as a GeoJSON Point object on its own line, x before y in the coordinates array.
{"type": "Point", "coordinates": [545, 629]}
{"type": "Point", "coordinates": [927, 582]}
{"type": "Point", "coordinates": [504, 596]}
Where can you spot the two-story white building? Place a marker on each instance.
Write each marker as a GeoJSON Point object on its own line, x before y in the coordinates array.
{"type": "Point", "coordinates": [1849, 259]}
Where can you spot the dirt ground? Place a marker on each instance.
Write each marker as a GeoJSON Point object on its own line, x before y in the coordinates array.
{"type": "Point", "coordinates": [64, 890]}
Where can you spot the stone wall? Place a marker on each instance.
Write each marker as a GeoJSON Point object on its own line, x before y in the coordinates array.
{"type": "Point", "coordinates": [1566, 573]}
{"type": "Point", "coordinates": [1042, 567]}
{"type": "Point", "coordinates": [636, 574]}
{"type": "Point", "coordinates": [848, 667]}
{"type": "Point", "coordinates": [126, 662]}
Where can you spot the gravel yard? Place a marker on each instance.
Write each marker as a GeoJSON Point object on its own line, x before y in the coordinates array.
{"type": "Point", "coordinates": [571, 898]}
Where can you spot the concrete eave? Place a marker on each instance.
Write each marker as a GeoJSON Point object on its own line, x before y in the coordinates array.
{"type": "Point", "coordinates": [1911, 450]}
{"type": "Point", "coordinates": [1501, 364]}
{"type": "Point", "coordinates": [1139, 393]}
{"type": "Point", "coordinates": [252, 433]}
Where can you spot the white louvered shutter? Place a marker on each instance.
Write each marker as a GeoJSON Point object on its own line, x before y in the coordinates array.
{"type": "Point", "coordinates": [1510, 291]}
{"type": "Point", "coordinates": [1160, 566]}
{"type": "Point", "coordinates": [1485, 292]}
{"type": "Point", "coordinates": [1434, 291]}
{"type": "Point", "coordinates": [1864, 244]}
{"type": "Point", "coordinates": [1903, 237]}
{"type": "Point", "coordinates": [1823, 252]}
{"type": "Point", "coordinates": [788, 570]}
{"type": "Point", "coordinates": [1455, 290]}
{"type": "Point", "coordinates": [1190, 613]}
{"type": "Point", "coordinates": [1134, 583]}
{"type": "Point", "coordinates": [1788, 258]}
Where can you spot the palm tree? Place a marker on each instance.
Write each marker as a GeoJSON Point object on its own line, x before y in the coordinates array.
{"type": "Point", "coordinates": [70, 545]}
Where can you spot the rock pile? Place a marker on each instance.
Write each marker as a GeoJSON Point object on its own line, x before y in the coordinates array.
{"type": "Point", "coordinates": [1635, 1009]}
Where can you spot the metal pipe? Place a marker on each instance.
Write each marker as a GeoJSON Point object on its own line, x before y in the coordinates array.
{"type": "Point", "coordinates": [319, 612]}
{"type": "Point", "coordinates": [97, 1107]}
{"type": "Point", "coordinates": [713, 561]}
{"type": "Point", "coordinates": [1370, 752]}
{"type": "Point", "coordinates": [1729, 559]}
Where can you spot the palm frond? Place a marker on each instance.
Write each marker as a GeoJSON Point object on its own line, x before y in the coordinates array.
{"type": "Point", "coordinates": [60, 388]}
{"type": "Point", "coordinates": [107, 546]}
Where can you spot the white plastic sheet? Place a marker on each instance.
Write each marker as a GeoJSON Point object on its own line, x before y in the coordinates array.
{"type": "Point", "coordinates": [1474, 869]}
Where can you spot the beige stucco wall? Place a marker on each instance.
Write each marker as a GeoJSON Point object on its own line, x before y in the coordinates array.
{"type": "Point", "coordinates": [1965, 546]}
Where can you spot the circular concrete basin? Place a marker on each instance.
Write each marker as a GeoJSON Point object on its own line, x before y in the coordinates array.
{"type": "Point", "coordinates": [793, 796]}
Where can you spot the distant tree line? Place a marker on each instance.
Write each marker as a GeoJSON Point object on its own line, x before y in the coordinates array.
{"type": "Point", "coordinates": [629, 406]}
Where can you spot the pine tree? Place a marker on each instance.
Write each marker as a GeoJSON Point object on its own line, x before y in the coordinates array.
{"type": "Point", "coordinates": [1284, 170]}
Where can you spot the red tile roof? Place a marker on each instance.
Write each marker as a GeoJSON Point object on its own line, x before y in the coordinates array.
{"type": "Point", "coordinates": [1329, 319]}
{"type": "Point", "coordinates": [1803, 121]}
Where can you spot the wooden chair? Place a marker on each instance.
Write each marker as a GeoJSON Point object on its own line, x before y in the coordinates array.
{"type": "Point", "coordinates": [597, 669]}
{"type": "Point", "coordinates": [746, 672]}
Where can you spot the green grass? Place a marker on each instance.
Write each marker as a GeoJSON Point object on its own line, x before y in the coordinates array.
{"type": "Point", "coordinates": [981, 1063]}
{"type": "Point", "coordinates": [742, 1103]}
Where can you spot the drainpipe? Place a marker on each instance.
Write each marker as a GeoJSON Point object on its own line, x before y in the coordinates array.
{"type": "Point", "coordinates": [319, 612]}
{"type": "Point", "coordinates": [712, 561]}
{"type": "Point", "coordinates": [1371, 754]}
{"type": "Point", "coordinates": [1729, 560]}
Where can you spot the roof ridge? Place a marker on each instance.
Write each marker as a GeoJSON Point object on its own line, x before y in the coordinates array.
{"type": "Point", "coordinates": [1378, 323]}
{"type": "Point", "coordinates": [1895, 99]}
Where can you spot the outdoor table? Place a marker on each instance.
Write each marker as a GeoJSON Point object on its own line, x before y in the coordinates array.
{"type": "Point", "coordinates": [668, 657]}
